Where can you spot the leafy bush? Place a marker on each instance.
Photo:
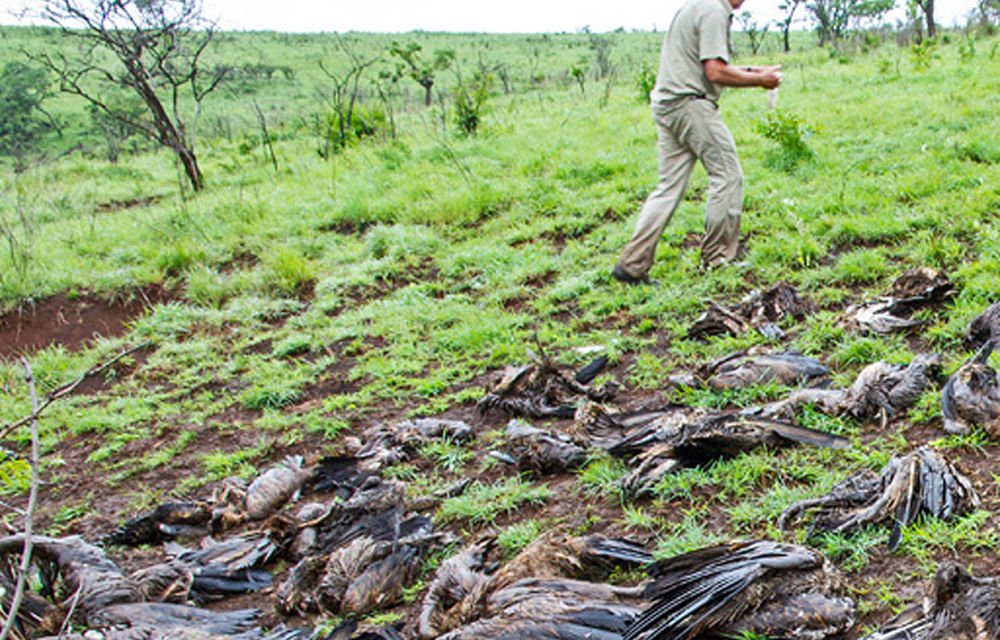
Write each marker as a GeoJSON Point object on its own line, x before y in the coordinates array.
{"type": "Point", "coordinates": [923, 53]}
{"type": "Point", "coordinates": [789, 131]}
{"type": "Point", "coordinates": [645, 82]}
{"type": "Point", "coordinates": [470, 99]}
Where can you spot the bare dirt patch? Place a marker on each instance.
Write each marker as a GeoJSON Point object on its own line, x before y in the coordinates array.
{"type": "Point", "coordinates": [72, 320]}
{"type": "Point", "coordinates": [113, 206]}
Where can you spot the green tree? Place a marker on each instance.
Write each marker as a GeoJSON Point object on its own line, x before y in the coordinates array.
{"type": "Point", "coordinates": [413, 65]}
{"type": "Point", "coordinates": [989, 10]}
{"type": "Point", "coordinates": [786, 23]}
{"type": "Point", "coordinates": [835, 17]}
{"type": "Point", "coordinates": [23, 121]}
{"type": "Point", "coordinates": [149, 48]}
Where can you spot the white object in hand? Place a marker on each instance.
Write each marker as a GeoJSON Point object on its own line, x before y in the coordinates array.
{"type": "Point", "coordinates": [772, 98]}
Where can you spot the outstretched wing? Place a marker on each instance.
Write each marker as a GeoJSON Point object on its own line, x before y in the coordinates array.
{"type": "Point", "coordinates": [704, 589]}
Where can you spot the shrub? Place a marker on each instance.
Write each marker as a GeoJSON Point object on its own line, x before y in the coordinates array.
{"type": "Point", "coordinates": [789, 131]}
{"type": "Point", "coordinates": [645, 82]}
{"type": "Point", "coordinates": [470, 99]}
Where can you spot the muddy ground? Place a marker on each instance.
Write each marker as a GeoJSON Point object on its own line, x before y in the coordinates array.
{"type": "Point", "coordinates": [75, 320]}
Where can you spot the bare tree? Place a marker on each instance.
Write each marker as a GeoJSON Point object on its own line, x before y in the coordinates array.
{"type": "Point", "coordinates": [156, 48]}
{"type": "Point", "coordinates": [343, 94]}
{"type": "Point", "coordinates": [754, 31]}
{"type": "Point", "coordinates": [601, 45]}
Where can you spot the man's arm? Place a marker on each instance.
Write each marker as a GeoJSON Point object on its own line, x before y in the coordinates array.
{"type": "Point", "coordinates": [721, 72]}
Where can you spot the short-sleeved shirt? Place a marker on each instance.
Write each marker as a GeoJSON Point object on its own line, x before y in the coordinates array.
{"type": "Point", "coordinates": [700, 31]}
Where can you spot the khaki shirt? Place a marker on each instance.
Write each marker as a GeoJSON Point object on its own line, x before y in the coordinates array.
{"type": "Point", "coordinates": [700, 31]}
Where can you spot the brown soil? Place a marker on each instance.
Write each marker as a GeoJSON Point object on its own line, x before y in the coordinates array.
{"type": "Point", "coordinates": [117, 205]}
{"type": "Point", "coordinates": [72, 321]}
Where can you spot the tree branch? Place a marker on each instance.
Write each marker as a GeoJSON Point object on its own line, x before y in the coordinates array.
{"type": "Point", "coordinates": [22, 573]}
{"type": "Point", "coordinates": [67, 389]}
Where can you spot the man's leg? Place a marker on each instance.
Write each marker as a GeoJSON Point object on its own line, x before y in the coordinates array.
{"type": "Point", "coordinates": [711, 141]}
{"type": "Point", "coordinates": [675, 164]}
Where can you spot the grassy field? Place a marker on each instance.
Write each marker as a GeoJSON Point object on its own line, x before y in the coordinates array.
{"type": "Point", "coordinates": [297, 305]}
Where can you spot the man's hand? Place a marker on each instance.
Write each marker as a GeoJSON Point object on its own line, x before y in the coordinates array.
{"type": "Point", "coordinates": [769, 77]}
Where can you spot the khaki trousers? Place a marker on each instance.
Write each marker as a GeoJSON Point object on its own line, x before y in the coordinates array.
{"type": "Point", "coordinates": [690, 129]}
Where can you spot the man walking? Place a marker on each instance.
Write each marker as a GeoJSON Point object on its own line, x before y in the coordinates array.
{"type": "Point", "coordinates": [694, 67]}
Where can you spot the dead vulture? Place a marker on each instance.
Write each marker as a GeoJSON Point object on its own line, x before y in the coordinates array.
{"type": "Point", "coordinates": [716, 437]}
{"type": "Point", "coordinates": [165, 522]}
{"type": "Point", "coordinates": [551, 609]}
{"type": "Point", "coordinates": [915, 289]}
{"type": "Point", "coordinates": [762, 587]}
{"type": "Point", "coordinates": [272, 490]}
{"type": "Point", "coordinates": [464, 590]}
{"type": "Point", "coordinates": [958, 606]}
{"type": "Point", "coordinates": [759, 310]}
{"type": "Point", "coordinates": [972, 395]}
{"type": "Point", "coordinates": [542, 451]}
{"type": "Point", "coordinates": [921, 482]}
{"type": "Point", "coordinates": [880, 387]}
{"type": "Point", "coordinates": [983, 328]}
{"type": "Point", "coordinates": [366, 566]}
{"type": "Point", "coordinates": [744, 369]}
{"type": "Point", "coordinates": [143, 632]}
{"type": "Point", "coordinates": [542, 390]}
{"type": "Point", "coordinates": [786, 369]}
{"type": "Point", "coordinates": [75, 569]}
{"type": "Point", "coordinates": [459, 591]}
{"type": "Point", "coordinates": [346, 631]}
{"type": "Point", "coordinates": [163, 615]}
{"type": "Point", "coordinates": [178, 581]}
{"type": "Point", "coordinates": [389, 444]}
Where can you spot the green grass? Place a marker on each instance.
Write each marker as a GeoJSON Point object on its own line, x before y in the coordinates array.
{"type": "Point", "coordinates": [852, 551]}
{"type": "Point", "coordinates": [446, 454]}
{"type": "Point", "coordinates": [483, 503]}
{"type": "Point", "coordinates": [601, 475]}
{"type": "Point", "coordinates": [927, 537]}
{"type": "Point", "coordinates": [395, 278]}
{"type": "Point", "coordinates": [517, 536]}
{"type": "Point", "coordinates": [689, 534]}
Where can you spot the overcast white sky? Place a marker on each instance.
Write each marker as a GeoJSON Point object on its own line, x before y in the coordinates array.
{"type": "Point", "coordinates": [523, 16]}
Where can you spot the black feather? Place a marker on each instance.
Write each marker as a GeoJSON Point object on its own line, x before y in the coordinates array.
{"type": "Point", "coordinates": [592, 370]}
{"type": "Point", "coordinates": [621, 549]}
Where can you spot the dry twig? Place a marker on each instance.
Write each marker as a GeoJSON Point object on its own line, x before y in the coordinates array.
{"type": "Point", "coordinates": [22, 573]}
{"type": "Point", "coordinates": [67, 388]}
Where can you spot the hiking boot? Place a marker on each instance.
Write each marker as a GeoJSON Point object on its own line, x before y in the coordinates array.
{"type": "Point", "coordinates": [619, 274]}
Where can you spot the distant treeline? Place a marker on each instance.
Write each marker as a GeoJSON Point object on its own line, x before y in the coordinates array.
{"type": "Point", "coordinates": [340, 88]}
